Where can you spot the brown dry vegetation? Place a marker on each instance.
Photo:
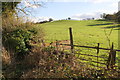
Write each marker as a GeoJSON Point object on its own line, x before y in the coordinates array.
{"type": "Point", "coordinates": [50, 63]}
{"type": "Point", "coordinates": [45, 61]}
{"type": "Point", "coordinates": [43, 64]}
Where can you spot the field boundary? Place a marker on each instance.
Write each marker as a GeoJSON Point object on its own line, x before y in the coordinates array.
{"type": "Point", "coordinates": [111, 60]}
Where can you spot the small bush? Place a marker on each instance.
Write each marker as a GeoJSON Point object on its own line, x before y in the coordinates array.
{"type": "Point", "coordinates": [19, 40]}
{"type": "Point", "coordinates": [18, 35]}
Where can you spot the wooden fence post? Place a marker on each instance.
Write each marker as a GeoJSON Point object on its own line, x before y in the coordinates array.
{"type": "Point", "coordinates": [71, 39]}
{"type": "Point", "coordinates": [111, 58]}
{"type": "Point", "coordinates": [57, 44]}
{"type": "Point", "coordinates": [97, 52]}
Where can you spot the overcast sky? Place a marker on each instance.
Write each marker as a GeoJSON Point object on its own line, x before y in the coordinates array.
{"type": "Point", "coordinates": [76, 9]}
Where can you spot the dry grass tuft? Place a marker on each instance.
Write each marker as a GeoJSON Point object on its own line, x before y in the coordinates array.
{"type": "Point", "coordinates": [42, 63]}
{"type": "Point", "coordinates": [6, 59]}
{"type": "Point", "coordinates": [12, 23]}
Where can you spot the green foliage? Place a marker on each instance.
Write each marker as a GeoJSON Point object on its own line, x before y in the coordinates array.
{"type": "Point", "coordinates": [69, 18]}
{"type": "Point", "coordinates": [50, 19]}
{"type": "Point", "coordinates": [8, 8]}
{"type": "Point", "coordinates": [118, 17]}
{"type": "Point", "coordinates": [103, 16]}
{"type": "Point", "coordinates": [33, 31]}
{"type": "Point", "coordinates": [19, 40]}
{"type": "Point", "coordinates": [49, 48]}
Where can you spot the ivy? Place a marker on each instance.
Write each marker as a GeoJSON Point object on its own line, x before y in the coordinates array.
{"type": "Point", "coordinates": [18, 40]}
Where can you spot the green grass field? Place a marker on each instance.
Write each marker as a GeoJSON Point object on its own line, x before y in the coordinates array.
{"type": "Point", "coordinates": [84, 32]}
{"type": "Point", "coordinates": [87, 32]}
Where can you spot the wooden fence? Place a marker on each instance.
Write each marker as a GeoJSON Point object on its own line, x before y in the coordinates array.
{"type": "Point", "coordinates": [111, 60]}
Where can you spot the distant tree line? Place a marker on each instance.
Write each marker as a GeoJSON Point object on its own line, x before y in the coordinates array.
{"type": "Point", "coordinates": [112, 17]}
{"type": "Point", "coordinates": [45, 21]}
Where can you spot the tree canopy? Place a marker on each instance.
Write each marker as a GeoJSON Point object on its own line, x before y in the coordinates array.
{"type": "Point", "coordinates": [8, 8]}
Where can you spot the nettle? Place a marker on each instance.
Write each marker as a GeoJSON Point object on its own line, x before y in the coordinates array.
{"type": "Point", "coordinates": [19, 40]}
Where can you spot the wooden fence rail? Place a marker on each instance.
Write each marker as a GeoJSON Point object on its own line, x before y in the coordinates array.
{"type": "Point", "coordinates": [91, 55]}
{"type": "Point", "coordinates": [112, 54]}
{"type": "Point", "coordinates": [90, 47]}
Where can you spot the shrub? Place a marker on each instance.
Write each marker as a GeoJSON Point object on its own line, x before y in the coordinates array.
{"type": "Point", "coordinates": [18, 40]}
{"type": "Point", "coordinates": [17, 34]}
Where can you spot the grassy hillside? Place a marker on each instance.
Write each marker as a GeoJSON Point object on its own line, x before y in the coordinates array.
{"type": "Point", "coordinates": [47, 62]}
{"type": "Point", "coordinates": [87, 32]}
{"type": "Point", "coordinates": [84, 32]}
